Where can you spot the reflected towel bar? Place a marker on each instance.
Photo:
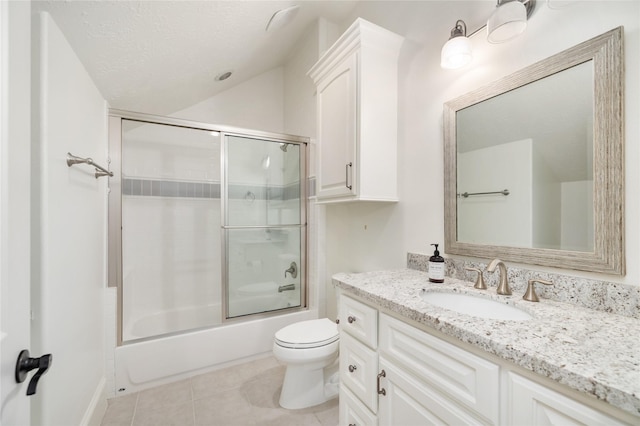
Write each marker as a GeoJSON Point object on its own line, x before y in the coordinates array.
{"type": "Point", "coordinates": [100, 171]}
{"type": "Point", "coordinates": [504, 192]}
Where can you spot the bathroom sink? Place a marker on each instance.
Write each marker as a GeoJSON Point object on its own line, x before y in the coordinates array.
{"type": "Point", "coordinates": [475, 306]}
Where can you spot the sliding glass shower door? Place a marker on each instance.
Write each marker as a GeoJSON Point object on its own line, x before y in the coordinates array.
{"type": "Point", "coordinates": [206, 225]}
{"type": "Point", "coordinates": [171, 239]}
{"type": "Point", "coordinates": [264, 226]}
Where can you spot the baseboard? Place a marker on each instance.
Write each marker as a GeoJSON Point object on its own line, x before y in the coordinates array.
{"type": "Point", "coordinates": [97, 407]}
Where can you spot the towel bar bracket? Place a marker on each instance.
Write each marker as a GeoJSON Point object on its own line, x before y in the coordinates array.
{"type": "Point", "coordinates": [100, 171]}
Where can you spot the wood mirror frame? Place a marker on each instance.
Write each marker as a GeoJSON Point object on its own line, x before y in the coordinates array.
{"type": "Point", "coordinates": [606, 52]}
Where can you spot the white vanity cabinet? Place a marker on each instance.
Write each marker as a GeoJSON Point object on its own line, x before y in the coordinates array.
{"type": "Point", "coordinates": [356, 96]}
{"type": "Point", "coordinates": [449, 383]}
{"type": "Point", "coordinates": [392, 373]}
{"type": "Point", "coordinates": [531, 403]}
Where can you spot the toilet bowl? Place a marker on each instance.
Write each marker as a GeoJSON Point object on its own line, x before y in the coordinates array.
{"type": "Point", "coordinates": [309, 349]}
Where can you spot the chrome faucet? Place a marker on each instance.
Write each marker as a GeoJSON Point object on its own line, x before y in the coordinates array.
{"type": "Point", "coordinates": [293, 270]}
{"type": "Point", "coordinates": [503, 286]}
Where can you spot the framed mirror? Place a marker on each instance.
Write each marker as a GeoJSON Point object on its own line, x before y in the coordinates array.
{"type": "Point", "coordinates": [534, 163]}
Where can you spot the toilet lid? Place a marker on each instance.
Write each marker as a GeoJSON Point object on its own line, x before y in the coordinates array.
{"type": "Point", "coordinates": [308, 334]}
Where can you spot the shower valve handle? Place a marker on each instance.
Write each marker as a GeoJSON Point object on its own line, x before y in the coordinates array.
{"type": "Point", "coordinates": [293, 270]}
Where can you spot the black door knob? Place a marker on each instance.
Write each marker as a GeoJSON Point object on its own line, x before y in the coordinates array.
{"type": "Point", "coordinates": [26, 364]}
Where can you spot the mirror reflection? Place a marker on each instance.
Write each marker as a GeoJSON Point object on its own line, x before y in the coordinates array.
{"type": "Point", "coordinates": [534, 163]}
{"type": "Point", "coordinates": [525, 165]}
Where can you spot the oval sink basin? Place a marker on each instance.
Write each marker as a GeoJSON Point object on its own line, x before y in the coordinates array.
{"type": "Point", "coordinates": [475, 306]}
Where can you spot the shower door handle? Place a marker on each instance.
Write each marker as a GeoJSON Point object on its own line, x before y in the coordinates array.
{"type": "Point", "coordinates": [25, 363]}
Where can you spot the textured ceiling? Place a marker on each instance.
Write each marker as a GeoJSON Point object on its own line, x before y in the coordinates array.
{"type": "Point", "coordinates": [162, 56]}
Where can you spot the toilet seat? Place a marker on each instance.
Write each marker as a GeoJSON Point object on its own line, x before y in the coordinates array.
{"type": "Point", "coordinates": [307, 334]}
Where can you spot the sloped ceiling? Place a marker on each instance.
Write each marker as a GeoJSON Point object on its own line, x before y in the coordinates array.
{"type": "Point", "coordinates": [161, 56]}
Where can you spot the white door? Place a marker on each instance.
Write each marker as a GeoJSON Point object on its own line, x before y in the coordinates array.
{"type": "Point", "coordinates": [15, 161]}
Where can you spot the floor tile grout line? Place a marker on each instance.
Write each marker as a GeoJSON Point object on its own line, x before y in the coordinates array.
{"type": "Point", "coordinates": [135, 408]}
{"type": "Point", "coordinates": [193, 403]}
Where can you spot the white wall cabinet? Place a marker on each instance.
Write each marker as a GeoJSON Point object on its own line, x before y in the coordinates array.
{"type": "Point", "coordinates": [357, 91]}
{"type": "Point", "coordinates": [406, 376]}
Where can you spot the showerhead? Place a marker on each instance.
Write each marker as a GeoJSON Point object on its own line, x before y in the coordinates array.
{"type": "Point", "coordinates": [283, 146]}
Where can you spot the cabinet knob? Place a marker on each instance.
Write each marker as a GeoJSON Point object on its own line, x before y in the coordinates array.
{"type": "Point", "coordinates": [351, 320]}
{"type": "Point", "coordinates": [337, 320]}
{"type": "Point", "coordinates": [352, 368]}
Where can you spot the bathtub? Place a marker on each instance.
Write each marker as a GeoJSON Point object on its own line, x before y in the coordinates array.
{"type": "Point", "coordinates": [144, 364]}
{"type": "Point", "coordinates": [246, 300]}
{"type": "Point", "coordinates": [172, 321]}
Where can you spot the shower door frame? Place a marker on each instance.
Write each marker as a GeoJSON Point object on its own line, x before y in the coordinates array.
{"type": "Point", "coordinates": [114, 230]}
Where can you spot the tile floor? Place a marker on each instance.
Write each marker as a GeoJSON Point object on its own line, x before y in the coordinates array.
{"type": "Point", "coordinates": [243, 395]}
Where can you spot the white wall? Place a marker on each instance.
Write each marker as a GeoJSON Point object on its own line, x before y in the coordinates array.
{"type": "Point", "coordinates": [418, 219]}
{"type": "Point", "coordinates": [254, 104]}
{"type": "Point", "coordinates": [69, 210]}
{"type": "Point", "coordinates": [495, 218]}
{"type": "Point", "coordinates": [577, 215]}
{"type": "Point", "coordinates": [299, 90]}
{"type": "Point", "coordinates": [300, 119]}
{"type": "Point", "coordinates": [547, 204]}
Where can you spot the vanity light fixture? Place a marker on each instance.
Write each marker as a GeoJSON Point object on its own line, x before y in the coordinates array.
{"type": "Point", "coordinates": [456, 52]}
{"type": "Point", "coordinates": [509, 20]}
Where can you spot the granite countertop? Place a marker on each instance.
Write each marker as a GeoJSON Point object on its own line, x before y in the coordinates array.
{"type": "Point", "coordinates": [590, 351]}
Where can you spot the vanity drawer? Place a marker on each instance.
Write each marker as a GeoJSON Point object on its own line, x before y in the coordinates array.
{"type": "Point", "coordinates": [358, 370]}
{"type": "Point", "coordinates": [469, 379]}
{"type": "Point", "coordinates": [353, 412]}
{"type": "Point", "coordinates": [359, 320]}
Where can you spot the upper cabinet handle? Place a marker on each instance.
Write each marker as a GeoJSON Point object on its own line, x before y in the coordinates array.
{"type": "Point", "coordinates": [346, 174]}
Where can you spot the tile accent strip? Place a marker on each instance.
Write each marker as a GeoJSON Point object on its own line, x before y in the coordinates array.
{"type": "Point", "coordinates": [189, 189]}
{"type": "Point", "coordinates": [164, 188]}
{"type": "Point", "coordinates": [614, 298]}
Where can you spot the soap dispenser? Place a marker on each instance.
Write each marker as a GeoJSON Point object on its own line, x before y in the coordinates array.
{"type": "Point", "coordinates": [436, 267]}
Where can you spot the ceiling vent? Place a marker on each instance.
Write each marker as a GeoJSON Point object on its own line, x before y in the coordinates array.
{"type": "Point", "coordinates": [281, 18]}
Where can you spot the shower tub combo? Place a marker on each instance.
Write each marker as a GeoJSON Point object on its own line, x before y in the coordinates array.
{"type": "Point", "coordinates": [207, 244]}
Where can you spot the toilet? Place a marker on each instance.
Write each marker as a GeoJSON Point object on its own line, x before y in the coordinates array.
{"type": "Point", "coordinates": [309, 349]}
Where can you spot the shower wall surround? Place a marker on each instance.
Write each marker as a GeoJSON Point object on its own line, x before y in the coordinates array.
{"type": "Point", "coordinates": [614, 298]}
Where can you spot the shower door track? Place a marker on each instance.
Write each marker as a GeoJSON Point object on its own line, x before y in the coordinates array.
{"type": "Point", "coordinates": [263, 226]}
